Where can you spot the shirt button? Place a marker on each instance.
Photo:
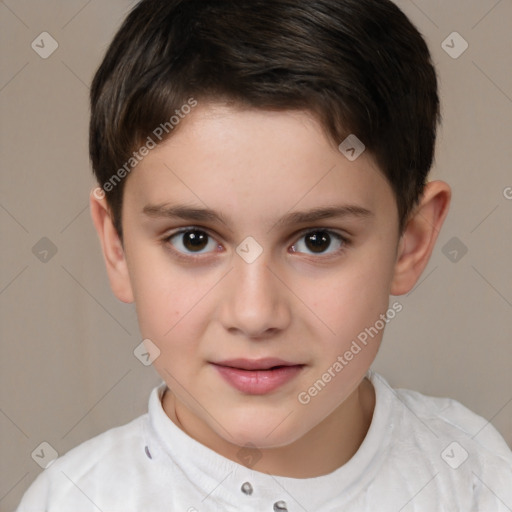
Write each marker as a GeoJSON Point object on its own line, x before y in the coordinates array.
{"type": "Point", "coordinates": [247, 488]}
{"type": "Point", "coordinates": [280, 506]}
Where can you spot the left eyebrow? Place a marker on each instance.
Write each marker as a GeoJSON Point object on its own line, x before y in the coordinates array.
{"type": "Point", "coordinates": [331, 212]}
{"type": "Point", "coordinates": [189, 213]}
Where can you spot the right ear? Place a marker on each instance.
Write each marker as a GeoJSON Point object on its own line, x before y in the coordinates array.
{"type": "Point", "coordinates": [113, 252]}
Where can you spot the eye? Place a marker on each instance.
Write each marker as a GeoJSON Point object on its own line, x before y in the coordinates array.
{"type": "Point", "coordinates": [192, 241]}
{"type": "Point", "coordinates": [318, 241]}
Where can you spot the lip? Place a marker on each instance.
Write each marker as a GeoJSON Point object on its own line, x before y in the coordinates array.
{"type": "Point", "coordinates": [264, 363]}
{"type": "Point", "coordinates": [257, 376]}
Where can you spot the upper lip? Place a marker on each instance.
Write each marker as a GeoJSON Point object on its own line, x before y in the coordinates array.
{"type": "Point", "coordinates": [255, 364]}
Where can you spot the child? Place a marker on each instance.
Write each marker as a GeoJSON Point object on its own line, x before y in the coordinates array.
{"type": "Point", "coordinates": [262, 169]}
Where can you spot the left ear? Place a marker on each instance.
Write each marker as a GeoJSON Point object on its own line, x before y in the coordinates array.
{"type": "Point", "coordinates": [419, 238]}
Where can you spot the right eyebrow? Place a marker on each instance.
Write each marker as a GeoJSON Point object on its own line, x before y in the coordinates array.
{"type": "Point", "coordinates": [182, 211]}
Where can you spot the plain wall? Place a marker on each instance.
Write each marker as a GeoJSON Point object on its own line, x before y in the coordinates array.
{"type": "Point", "coordinates": [67, 366]}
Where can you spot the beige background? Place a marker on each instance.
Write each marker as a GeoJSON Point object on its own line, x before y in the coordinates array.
{"type": "Point", "coordinates": [67, 366]}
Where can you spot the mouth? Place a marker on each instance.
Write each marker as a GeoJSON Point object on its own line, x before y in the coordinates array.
{"type": "Point", "coordinates": [257, 376]}
{"type": "Point", "coordinates": [267, 363]}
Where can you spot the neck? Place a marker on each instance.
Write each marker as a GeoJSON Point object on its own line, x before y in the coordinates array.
{"type": "Point", "coordinates": [326, 447]}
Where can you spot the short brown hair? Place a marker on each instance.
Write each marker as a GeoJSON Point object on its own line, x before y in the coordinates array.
{"type": "Point", "coordinates": [360, 66]}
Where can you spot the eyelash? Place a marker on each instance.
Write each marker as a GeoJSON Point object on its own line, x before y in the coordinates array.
{"type": "Point", "coordinates": [191, 257]}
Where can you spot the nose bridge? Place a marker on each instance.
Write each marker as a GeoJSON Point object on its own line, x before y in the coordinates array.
{"type": "Point", "coordinates": [254, 277]}
{"type": "Point", "coordinates": [251, 265]}
{"type": "Point", "coordinates": [253, 281]}
{"type": "Point", "coordinates": [255, 301]}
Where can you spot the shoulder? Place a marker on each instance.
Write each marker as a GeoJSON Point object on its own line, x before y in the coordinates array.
{"type": "Point", "coordinates": [116, 442]}
{"type": "Point", "coordinates": [460, 449]}
{"type": "Point", "coordinates": [96, 458]}
{"type": "Point", "coordinates": [451, 419]}
{"type": "Point", "coordinates": [464, 459]}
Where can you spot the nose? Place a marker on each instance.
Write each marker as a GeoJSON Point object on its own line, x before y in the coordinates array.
{"type": "Point", "coordinates": [255, 302]}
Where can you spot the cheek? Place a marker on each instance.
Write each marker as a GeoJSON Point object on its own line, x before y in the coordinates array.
{"type": "Point", "coordinates": [171, 319]}
{"type": "Point", "coordinates": [174, 306]}
{"type": "Point", "coordinates": [165, 296]}
{"type": "Point", "coordinates": [350, 303]}
{"type": "Point", "coordinates": [351, 300]}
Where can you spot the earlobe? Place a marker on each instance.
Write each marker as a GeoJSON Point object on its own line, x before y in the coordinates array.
{"type": "Point", "coordinates": [419, 238]}
{"type": "Point", "coordinates": [112, 248]}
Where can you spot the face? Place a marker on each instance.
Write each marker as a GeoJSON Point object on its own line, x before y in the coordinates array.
{"type": "Point", "coordinates": [223, 267]}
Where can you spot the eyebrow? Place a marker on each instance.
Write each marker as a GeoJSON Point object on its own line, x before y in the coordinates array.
{"type": "Point", "coordinates": [190, 213]}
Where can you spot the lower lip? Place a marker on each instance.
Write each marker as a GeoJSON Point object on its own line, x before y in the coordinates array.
{"type": "Point", "coordinates": [258, 382]}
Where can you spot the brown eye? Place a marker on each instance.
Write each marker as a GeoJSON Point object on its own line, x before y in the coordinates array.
{"type": "Point", "coordinates": [319, 241]}
{"type": "Point", "coordinates": [195, 240]}
{"type": "Point", "coordinates": [192, 241]}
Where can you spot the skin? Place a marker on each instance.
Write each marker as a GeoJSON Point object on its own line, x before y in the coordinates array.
{"type": "Point", "coordinates": [253, 167]}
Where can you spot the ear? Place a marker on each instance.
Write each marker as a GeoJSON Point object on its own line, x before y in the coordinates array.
{"type": "Point", "coordinates": [113, 252]}
{"type": "Point", "coordinates": [419, 238]}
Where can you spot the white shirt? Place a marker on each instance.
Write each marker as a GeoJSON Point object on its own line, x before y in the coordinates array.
{"type": "Point", "coordinates": [420, 454]}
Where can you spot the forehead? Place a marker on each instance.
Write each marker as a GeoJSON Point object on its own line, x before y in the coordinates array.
{"type": "Point", "coordinates": [256, 162]}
